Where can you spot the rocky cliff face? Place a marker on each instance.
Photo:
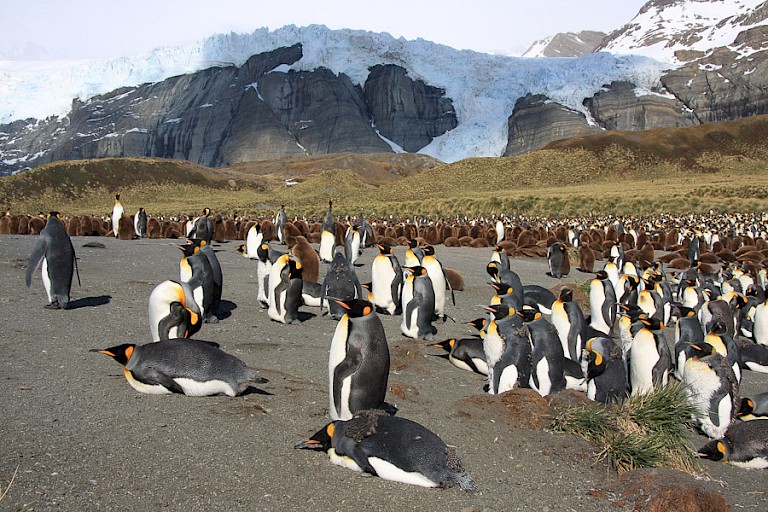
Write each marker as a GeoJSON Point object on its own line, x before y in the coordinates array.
{"type": "Point", "coordinates": [225, 115]}
{"type": "Point", "coordinates": [566, 44]}
{"type": "Point", "coordinates": [536, 121]}
{"type": "Point", "coordinates": [620, 106]}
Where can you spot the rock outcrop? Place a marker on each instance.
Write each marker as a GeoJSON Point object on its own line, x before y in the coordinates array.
{"type": "Point", "coordinates": [226, 115]}
{"type": "Point", "coordinates": [620, 106]}
{"type": "Point", "coordinates": [536, 121]}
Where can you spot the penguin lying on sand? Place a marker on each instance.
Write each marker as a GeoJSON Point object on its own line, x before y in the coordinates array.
{"type": "Point", "coordinates": [392, 448]}
{"type": "Point", "coordinates": [187, 366]}
{"type": "Point", "coordinates": [744, 445]}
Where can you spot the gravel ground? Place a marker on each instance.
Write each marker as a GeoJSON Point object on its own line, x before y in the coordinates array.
{"type": "Point", "coordinates": [80, 438]}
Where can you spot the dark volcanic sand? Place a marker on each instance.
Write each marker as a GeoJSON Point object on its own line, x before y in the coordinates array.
{"type": "Point", "coordinates": [82, 439]}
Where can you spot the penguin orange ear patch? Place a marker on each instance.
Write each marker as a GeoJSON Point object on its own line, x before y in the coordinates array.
{"type": "Point", "coordinates": [367, 310]}
{"type": "Point", "coordinates": [330, 429]}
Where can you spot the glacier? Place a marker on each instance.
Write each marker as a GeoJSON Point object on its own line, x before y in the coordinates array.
{"type": "Point", "coordinates": [483, 87]}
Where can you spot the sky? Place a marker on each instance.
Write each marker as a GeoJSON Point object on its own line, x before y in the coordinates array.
{"type": "Point", "coordinates": [99, 29]}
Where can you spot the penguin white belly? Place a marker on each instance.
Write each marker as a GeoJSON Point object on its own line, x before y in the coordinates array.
{"type": "Point", "coordinates": [458, 363]}
{"type": "Point", "coordinates": [382, 275]}
{"type": "Point", "coordinates": [327, 240]}
{"type": "Point", "coordinates": [389, 471]}
{"type": "Point", "coordinates": [310, 300]}
{"type": "Point", "coordinates": [643, 357]}
{"type": "Point", "coordinates": [343, 461]}
{"type": "Point", "coordinates": [438, 284]}
{"type": "Point", "coordinates": [493, 346]}
{"type": "Point", "coordinates": [337, 354]}
{"type": "Point", "coordinates": [253, 242]}
{"type": "Point", "coordinates": [559, 319]}
{"type": "Point", "coordinates": [756, 463]}
{"type": "Point", "coordinates": [197, 294]}
{"type": "Point", "coordinates": [262, 274]}
{"type": "Point", "coordinates": [760, 326]}
{"type": "Point", "coordinates": [46, 278]}
{"type": "Point", "coordinates": [354, 249]}
{"type": "Point", "coordinates": [542, 372]}
{"type": "Point", "coordinates": [591, 389]}
{"type": "Point", "coordinates": [508, 379]}
{"type": "Point", "coordinates": [192, 387]}
{"type": "Point", "coordinates": [756, 367]}
{"type": "Point", "coordinates": [413, 330]}
{"type": "Point", "coordinates": [149, 389]}
{"type": "Point", "coordinates": [724, 410]}
{"type": "Point", "coordinates": [481, 365]}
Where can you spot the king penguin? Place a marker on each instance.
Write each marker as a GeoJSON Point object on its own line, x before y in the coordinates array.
{"type": "Point", "coordinates": [439, 282]}
{"type": "Point", "coordinates": [744, 445]}
{"type": "Point", "coordinates": [195, 270]}
{"type": "Point", "coordinates": [140, 223]}
{"type": "Point", "coordinates": [602, 304]}
{"type": "Point", "coordinates": [386, 280]}
{"type": "Point", "coordinates": [117, 214]}
{"type": "Point", "coordinates": [281, 219]}
{"type": "Point", "coordinates": [570, 323]}
{"type": "Point", "coordinates": [650, 360]}
{"type": "Point", "coordinates": [53, 248]}
{"type": "Point", "coordinates": [328, 236]}
{"type": "Point", "coordinates": [418, 304]}
{"type": "Point", "coordinates": [465, 353]}
{"type": "Point", "coordinates": [253, 240]}
{"type": "Point", "coordinates": [340, 283]}
{"type": "Point", "coordinates": [285, 285]}
{"type": "Point", "coordinates": [173, 312]}
{"type": "Point", "coordinates": [547, 373]}
{"type": "Point", "coordinates": [358, 364]}
{"type": "Point", "coordinates": [352, 245]}
{"type": "Point", "coordinates": [754, 407]}
{"type": "Point", "coordinates": [557, 258]}
{"type": "Point", "coordinates": [712, 390]}
{"type": "Point", "coordinates": [190, 367]}
{"type": "Point", "coordinates": [606, 371]}
{"type": "Point", "coordinates": [507, 353]}
{"type": "Point", "coordinates": [392, 448]}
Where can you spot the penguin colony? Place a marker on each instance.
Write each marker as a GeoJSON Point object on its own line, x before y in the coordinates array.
{"type": "Point", "coordinates": [527, 337]}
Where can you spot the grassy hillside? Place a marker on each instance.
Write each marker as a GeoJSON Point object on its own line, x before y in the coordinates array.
{"type": "Point", "coordinates": [721, 166]}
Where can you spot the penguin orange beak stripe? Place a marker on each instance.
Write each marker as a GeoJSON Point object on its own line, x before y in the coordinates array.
{"type": "Point", "coordinates": [107, 352]}
{"type": "Point", "coordinates": [340, 303]}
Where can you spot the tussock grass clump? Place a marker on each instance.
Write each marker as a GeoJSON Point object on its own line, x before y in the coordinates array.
{"type": "Point", "coordinates": [645, 431]}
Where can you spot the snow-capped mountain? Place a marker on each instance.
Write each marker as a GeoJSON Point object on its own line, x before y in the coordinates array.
{"type": "Point", "coordinates": [678, 30]}
{"type": "Point", "coordinates": [566, 44]}
{"type": "Point", "coordinates": [473, 97]}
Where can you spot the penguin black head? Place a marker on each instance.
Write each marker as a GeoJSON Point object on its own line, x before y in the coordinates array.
{"type": "Point", "coordinates": [493, 270]}
{"type": "Point", "coordinates": [478, 323]}
{"type": "Point", "coordinates": [714, 450]}
{"type": "Point", "coordinates": [446, 345]}
{"type": "Point", "coordinates": [384, 248]}
{"type": "Point", "coordinates": [501, 288]}
{"type": "Point", "coordinates": [747, 407]}
{"type": "Point", "coordinates": [718, 328]}
{"type": "Point", "coordinates": [294, 268]}
{"type": "Point", "coordinates": [529, 314]}
{"type": "Point", "coordinates": [120, 353]}
{"type": "Point", "coordinates": [416, 271]}
{"type": "Point", "coordinates": [413, 243]}
{"type": "Point", "coordinates": [501, 311]}
{"type": "Point", "coordinates": [566, 295]}
{"type": "Point", "coordinates": [601, 274]}
{"type": "Point", "coordinates": [189, 249]}
{"type": "Point", "coordinates": [701, 349]}
{"type": "Point", "coordinates": [206, 211]}
{"type": "Point", "coordinates": [652, 324]}
{"type": "Point", "coordinates": [117, 196]}
{"type": "Point", "coordinates": [321, 440]}
{"type": "Point", "coordinates": [241, 249]}
{"type": "Point", "coordinates": [53, 214]}
{"type": "Point", "coordinates": [356, 308]}
{"type": "Point", "coordinates": [429, 250]}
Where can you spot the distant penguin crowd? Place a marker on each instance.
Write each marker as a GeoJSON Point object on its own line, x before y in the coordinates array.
{"type": "Point", "coordinates": [680, 298]}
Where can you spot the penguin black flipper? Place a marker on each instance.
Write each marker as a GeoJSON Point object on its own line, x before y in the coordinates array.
{"type": "Point", "coordinates": [414, 304]}
{"type": "Point", "coordinates": [346, 368]}
{"type": "Point", "coordinates": [280, 289]}
{"type": "Point", "coordinates": [152, 377]}
{"type": "Point", "coordinates": [38, 253]}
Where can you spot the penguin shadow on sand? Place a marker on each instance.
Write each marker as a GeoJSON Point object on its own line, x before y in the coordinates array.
{"type": "Point", "coordinates": [90, 302]}
{"type": "Point", "coordinates": [225, 309]}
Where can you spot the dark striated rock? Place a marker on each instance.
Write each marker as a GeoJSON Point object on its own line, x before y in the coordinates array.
{"type": "Point", "coordinates": [619, 107]}
{"type": "Point", "coordinates": [537, 121]}
{"type": "Point", "coordinates": [725, 85]}
{"type": "Point", "coordinates": [226, 115]}
{"type": "Point", "coordinates": [407, 112]}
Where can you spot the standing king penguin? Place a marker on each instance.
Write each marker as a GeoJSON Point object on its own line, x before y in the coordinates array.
{"type": "Point", "coordinates": [386, 280]}
{"type": "Point", "coordinates": [328, 236]}
{"type": "Point", "coordinates": [117, 214]}
{"type": "Point", "coordinates": [358, 363]}
{"type": "Point", "coordinates": [54, 250]}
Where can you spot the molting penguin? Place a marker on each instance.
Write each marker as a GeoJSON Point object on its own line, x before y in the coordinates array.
{"type": "Point", "coordinates": [744, 445]}
{"type": "Point", "coordinates": [386, 280]}
{"type": "Point", "coordinates": [358, 364]}
{"type": "Point", "coordinates": [418, 303]}
{"type": "Point", "coordinates": [713, 390]}
{"type": "Point", "coordinates": [191, 367]}
{"type": "Point", "coordinates": [173, 312]}
{"type": "Point", "coordinates": [340, 283]}
{"type": "Point", "coordinates": [392, 448]}
{"type": "Point", "coordinates": [328, 236]}
{"type": "Point", "coordinates": [117, 214]}
{"type": "Point", "coordinates": [140, 223]}
{"type": "Point", "coordinates": [53, 248]}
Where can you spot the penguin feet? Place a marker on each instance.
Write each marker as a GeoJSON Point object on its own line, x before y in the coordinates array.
{"type": "Point", "coordinates": [263, 305]}
{"type": "Point", "coordinates": [213, 319]}
{"type": "Point", "coordinates": [53, 305]}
